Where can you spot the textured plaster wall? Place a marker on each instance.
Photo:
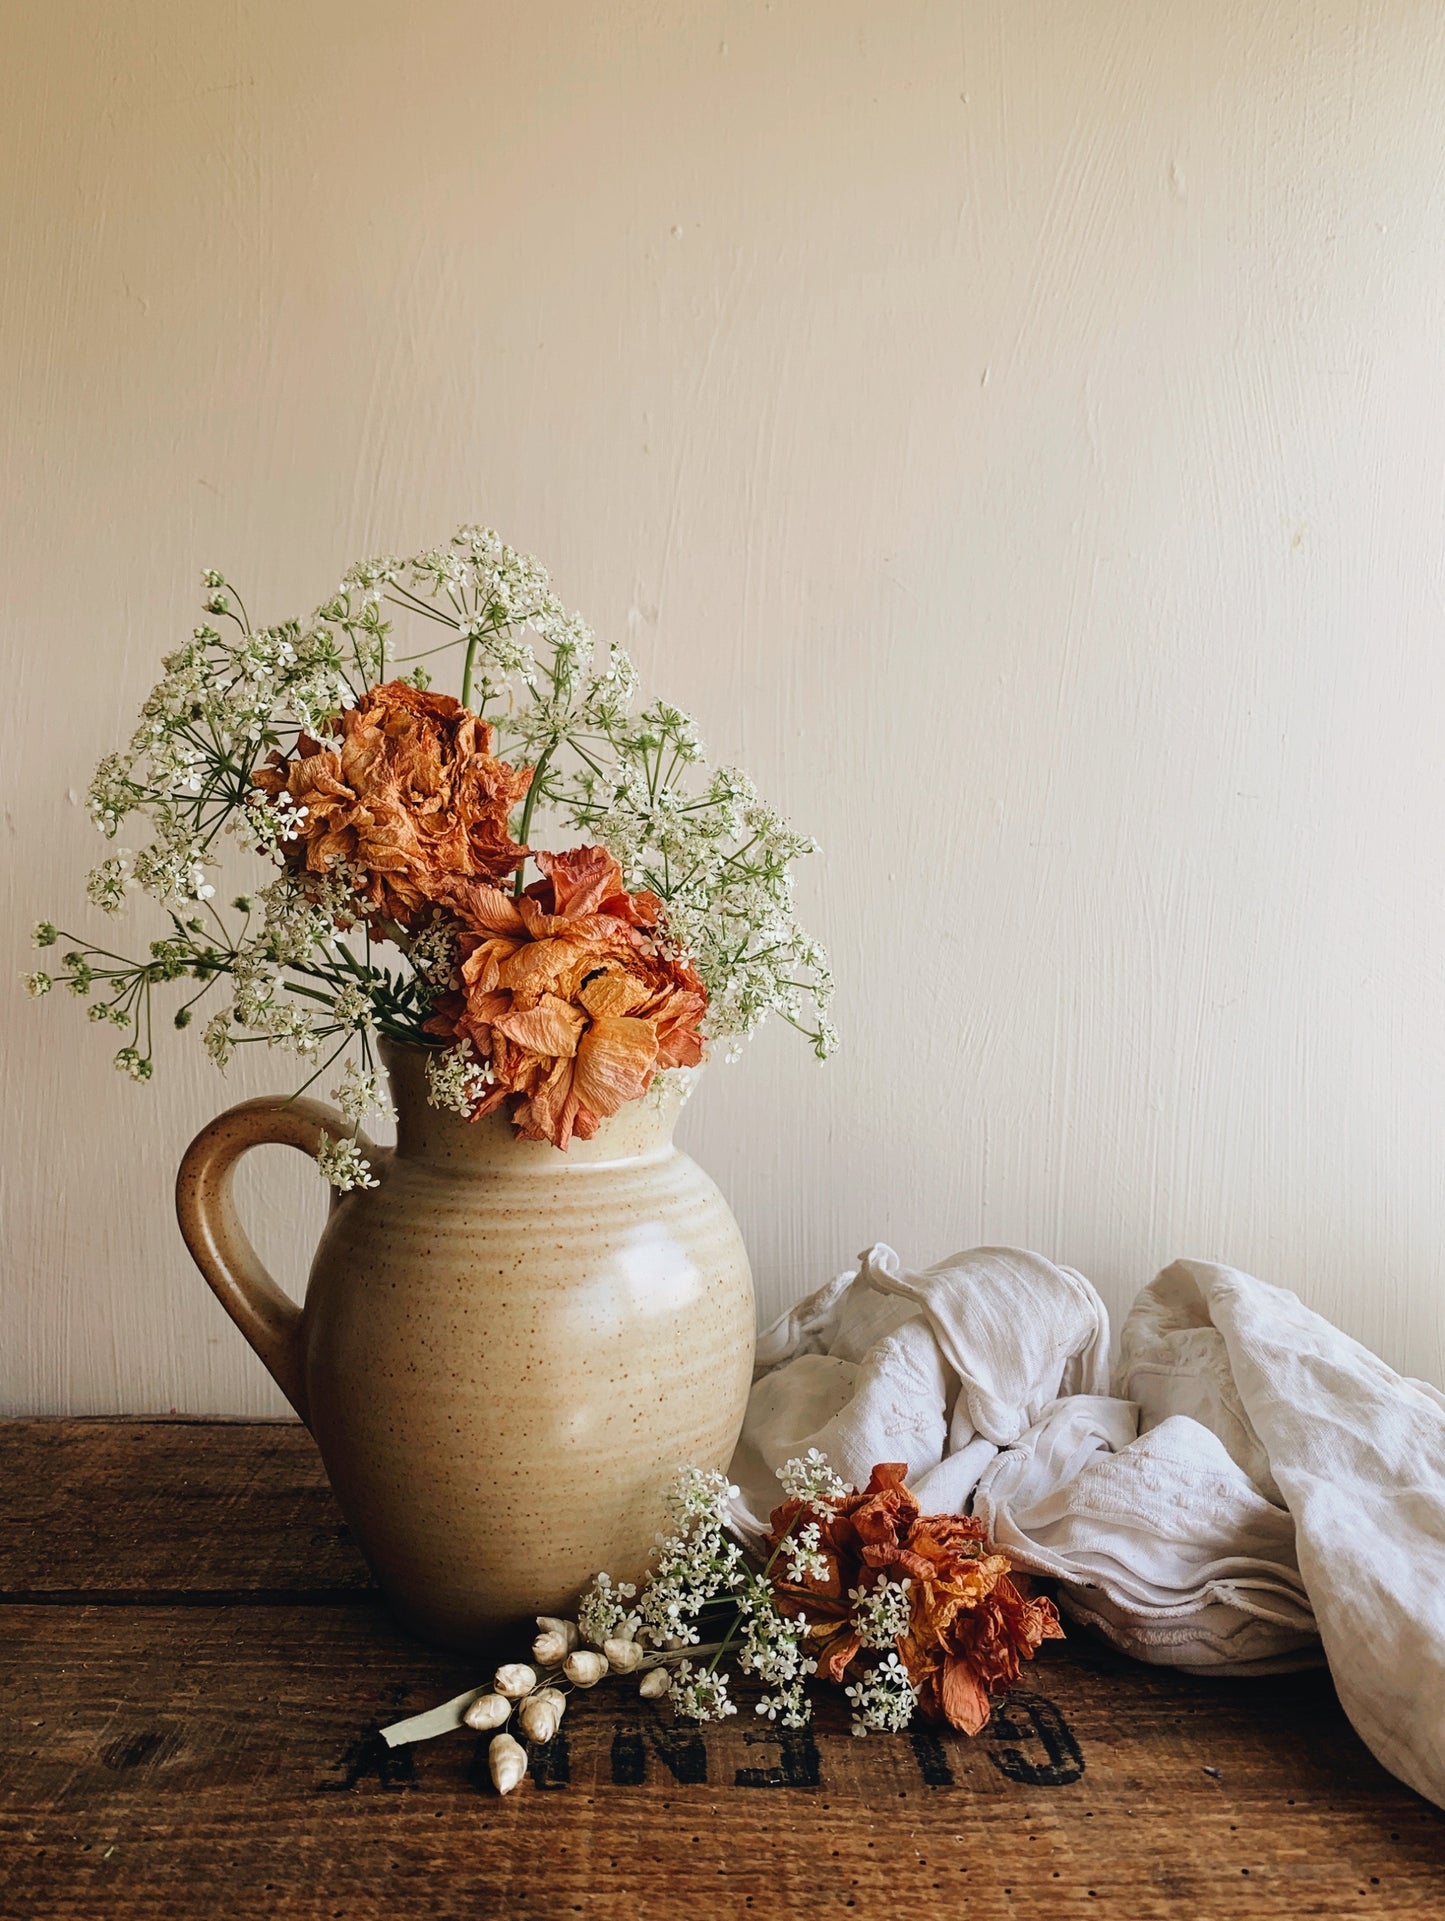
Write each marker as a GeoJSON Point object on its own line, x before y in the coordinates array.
{"type": "Point", "coordinates": [1016, 430]}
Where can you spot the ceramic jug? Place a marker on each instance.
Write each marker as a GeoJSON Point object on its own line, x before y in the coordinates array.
{"type": "Point", "coordinates": [505, 1353]}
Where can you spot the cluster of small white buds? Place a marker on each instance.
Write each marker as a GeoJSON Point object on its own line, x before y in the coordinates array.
{"type": "Point", "coordinates": [488, 1711]}
{"type": "Point", "coordinates": [507, 1760]}
{"type": "Point", "coordinates": [585, 1667]}
{"type": "Point", "coordinates": [515, 1680]}
{"type": "Point", "coordinates": [555, 1640]}
{"type": "Point", "coordinates": [541, 1714]}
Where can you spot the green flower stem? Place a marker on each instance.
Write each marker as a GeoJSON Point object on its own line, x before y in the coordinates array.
{"type": "Point", "coordinates": [468, 664]}
{"type": "Point", "coordinates": [528, 806]}
{"type": "Point", "coordinates": [736, 1622]}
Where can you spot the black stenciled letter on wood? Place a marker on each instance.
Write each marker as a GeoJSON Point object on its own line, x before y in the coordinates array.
{"type": "Point", "coordinates": [1032, 1743]}
{"type": "Point", "coordinates": [929, 1753]}
{"type": "Point", "coordinates": [681, 1752]}
{"type": "Point", "coordinates": [797, 1765]}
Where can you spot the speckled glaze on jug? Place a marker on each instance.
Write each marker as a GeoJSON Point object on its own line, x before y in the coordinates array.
{"type": "Point", "coordinates": [505, 1353]}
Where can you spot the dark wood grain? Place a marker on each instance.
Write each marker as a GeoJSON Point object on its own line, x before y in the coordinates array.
{"type": "Point", "coordinates": [210, 1758]}
{"type": "Point", "coordinates": [137, 1507]}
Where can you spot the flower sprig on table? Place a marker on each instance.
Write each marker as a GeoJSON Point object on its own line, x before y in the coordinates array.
{"type": "Point", "coordinates": [907, 1612]}
{"type": "Point", "coordinates": [397, 823]}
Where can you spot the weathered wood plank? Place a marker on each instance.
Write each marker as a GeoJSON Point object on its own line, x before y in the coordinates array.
{"type": "Point", "coordinates": [226, 1760]}
{"type": "Point", "coordinates": [188, 1761]}
{"type": "Point", "coordinates": [129, 1507]}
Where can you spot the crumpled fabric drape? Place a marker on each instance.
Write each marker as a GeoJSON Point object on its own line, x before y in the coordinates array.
{"type": "Point", "coordinates": [1257, 1492]}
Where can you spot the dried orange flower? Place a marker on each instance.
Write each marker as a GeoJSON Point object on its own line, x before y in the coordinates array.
{"type": "Point", "coordinates": [407, 796]}
{"type": "Point", "coordinates": [972, 1618]}
{"type": "Point", "coordinates": [569, 995]}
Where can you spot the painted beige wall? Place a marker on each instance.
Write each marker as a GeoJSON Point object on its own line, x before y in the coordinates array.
{"type": "Point", "coordinates": [1016, 430]}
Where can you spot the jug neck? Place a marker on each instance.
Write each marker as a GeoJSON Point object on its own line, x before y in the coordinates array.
{"type": "Point", "coordinates": [642, 1130]}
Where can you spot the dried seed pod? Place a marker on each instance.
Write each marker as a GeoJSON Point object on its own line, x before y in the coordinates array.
{"type": "Point", "coordinates": [540, 1716]}
{"type": "Point", "coordinates": [487, 1711]}
{"type": "Point", "coordinates": [515, 1679]}
{"type": "Point", "coordinates": [585, 1667]}
{"type": "Point", "coordinates": [656, 1681]}
{"type": "Point", "coordinates": [556, 1640]}
{"type": "Point", "coordinates": [507, 1760]}
{"type": "Point", "coordinates": [622, 1656]}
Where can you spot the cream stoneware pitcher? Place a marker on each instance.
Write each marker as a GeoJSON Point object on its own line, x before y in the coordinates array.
{"type": "Point", "coordinates": [505, 1353]}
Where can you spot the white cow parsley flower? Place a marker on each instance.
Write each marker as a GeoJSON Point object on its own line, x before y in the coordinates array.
{"type": "Point", "coordinates": [343, 1164]}
{"type": "Point", "coordinates": [883, 1698]}
{"type": "Point", "coordinates": [810, 1478]}
{"type": "Point", "coordinates": [805, 1560]}
{"type": "Point", "coordinates": [107, 883]}
{"type": "Point", "coordinates": [456, 1080]}
{"type": "Point", "coordinates": [604, 1615]}
{"type": "Point", "coordinates": [882, 1613]}
{"type": "Point", "coordinates": [359, 1093]}
{"type": "Point", "coordinates": [700, 1694]}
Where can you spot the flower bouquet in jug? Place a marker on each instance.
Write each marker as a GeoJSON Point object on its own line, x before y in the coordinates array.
{"type": "Point", "coordinates": [397, 825]}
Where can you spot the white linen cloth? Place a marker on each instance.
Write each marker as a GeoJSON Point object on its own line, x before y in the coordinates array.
{"type": "Point", "coordinates": [1257, 1489]}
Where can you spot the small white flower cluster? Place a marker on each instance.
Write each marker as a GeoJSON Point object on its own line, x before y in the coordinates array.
{"type": "Point", "coordinates": [883, 1698]}
{"type": "Point", "coordinates": [456, 1080]}
{"type": "Point", "coordinates": [805, 1560]}
{"type": "Point", "coordinates": [343, 1164]}
{"type": "Point", "coordinates": [700, 1694]}
{"type": "Point", "coordinates": [604, 1614]}
{"type": "Point", "coordinates": [882, 1613]}
{"type": "Point", "coordinates": [106, 884]}
{"type": "Point", "coordinates": [269, 823]}
{"type": "Point", "coordinates": [693, 1564]}
{"type": "Point", "coordinates": [811, 1479]}
{"type": "Point", "coordinates": [773, 1652]}
{"type": "Point", "coordinates": [359, 1093]}
{"type": "Point", "coordinates": [433, 954]}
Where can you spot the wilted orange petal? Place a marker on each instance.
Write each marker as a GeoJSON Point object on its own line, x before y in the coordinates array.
{"type": "Point", "coordinates": [553, 1027]}
{"type": "Point", "coordinates": [610, 996]}
{"type": "Point", "coordinates": [550, 1112]}
{"type": "Point", "coordinates": [965, 1704]}
{"type": "Point", "coordinates": [543, 967]}
{"type": "Point", "coordinates": [614, 1063]}
{"type": "Point", "coordinates": [487, 909]}
{"type": "Point", "coordinates": [582, 879]}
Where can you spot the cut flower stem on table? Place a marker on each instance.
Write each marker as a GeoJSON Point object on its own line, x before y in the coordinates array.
{"type": "Point", "coordinates": [909, 1613]}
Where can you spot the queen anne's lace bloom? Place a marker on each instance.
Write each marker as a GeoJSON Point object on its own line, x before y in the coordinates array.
{"type": "Point", "coordinates": [359, 1093]}
{"type": "Point", "coordinates": [883, 1698]}
{"type": "Point", "coordinates": [882, 1612]}
{"type": "Point", "coordinates": [343, 1164]}
{"type": "Point", "coordinates": [604, 1614]}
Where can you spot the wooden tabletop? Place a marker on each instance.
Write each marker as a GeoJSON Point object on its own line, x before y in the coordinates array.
{"type": "Point", "coordinates": [193, 1669]}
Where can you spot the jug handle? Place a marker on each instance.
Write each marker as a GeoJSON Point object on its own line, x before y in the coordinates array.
{"type": "Point", "coordinates": [219, 1245]}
